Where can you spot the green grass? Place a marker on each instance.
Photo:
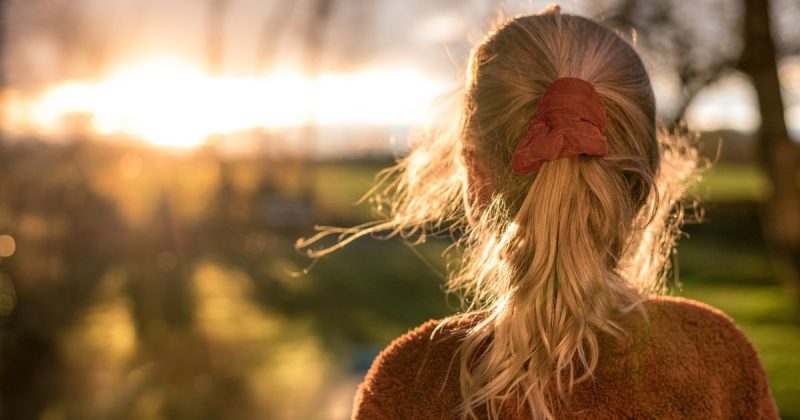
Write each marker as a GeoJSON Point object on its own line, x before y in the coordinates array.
{"type": "Point", "coordinates": [339, 187]}
{"type": "Point", "coordinates": [725, 182]}
{"type": "Point", "coordinates": [388, 290]}
{"type": "Point", "coordinates": [738, 279]}
{"type": "Point", "coordinates": [767, 315]}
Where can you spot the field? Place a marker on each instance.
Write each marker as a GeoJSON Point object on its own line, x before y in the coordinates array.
{"type": "Point", "coordinates": [722, 262]}
{"type": "Point", "coordinates": [149, 285]}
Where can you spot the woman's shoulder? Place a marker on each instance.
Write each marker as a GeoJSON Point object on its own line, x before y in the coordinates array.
{"type": "Point", "coordinates": [694, 318]}
{"type": "Point", "coordinates": [685, 322]}
{"type": "Point", "coordinates": [432, 335]}
{"type": "Point", "coordinates": [413, 374]}
{"type": "Point", "coordinates": [704, 340]}
{"type": "Point", "coordinates": [685, 306]}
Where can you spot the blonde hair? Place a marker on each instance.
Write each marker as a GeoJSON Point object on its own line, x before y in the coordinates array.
{"type": "Point", "coordinates": [550, 259]}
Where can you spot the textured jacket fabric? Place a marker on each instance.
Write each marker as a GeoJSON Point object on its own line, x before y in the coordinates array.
{"type": "Point", "coordinates": [686, 361]}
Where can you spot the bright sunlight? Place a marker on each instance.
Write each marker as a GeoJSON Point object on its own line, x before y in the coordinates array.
{"type": "Point", "coordinates": [175, 104]}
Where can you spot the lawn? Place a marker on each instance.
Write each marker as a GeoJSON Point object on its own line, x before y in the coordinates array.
{"type": "Point", "coordinates": [719, 265]}
{"type": "Point", "coordinates": [738, 280]}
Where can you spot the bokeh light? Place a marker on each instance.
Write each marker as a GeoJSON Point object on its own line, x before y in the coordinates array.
{"type": "Point", "coordinates": [7, 246]}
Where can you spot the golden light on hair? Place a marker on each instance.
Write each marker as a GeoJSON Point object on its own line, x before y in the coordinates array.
{"type": "Point", "coordinates": [548, 260]}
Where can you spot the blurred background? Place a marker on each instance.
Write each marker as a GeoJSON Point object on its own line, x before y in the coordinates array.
{"type": "Point", "coordinates": [158, 160]}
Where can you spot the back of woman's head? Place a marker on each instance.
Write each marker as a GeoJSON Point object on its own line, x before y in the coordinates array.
{"type": "Point", "coordinates": [556, 258]}
{"type": "Point", "coordinates": [549, 256]}
{"type": "Point", "coordinates": [512, 68]}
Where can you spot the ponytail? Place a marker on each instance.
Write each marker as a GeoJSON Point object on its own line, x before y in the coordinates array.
{"type": "Point", "coordinates": [556, 287]}
{"type": "Point", "coordinates": [552, 256]}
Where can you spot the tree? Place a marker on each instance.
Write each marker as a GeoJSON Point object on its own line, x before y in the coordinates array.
{"type": "Point", "coordinates": [273, 31]}
{"type": "Point", "coordinates": [700, 50]}
{"type": "Point", "coordinates": [2, 41]}
{"type": "Point", "coordinates": [2, 53]}
{"type": "Point", "coordinates": [215, 18]}
{"type": "Point", "coordinates": [694, 52]}
{"type": "Point", "coordinates": [778, 154]}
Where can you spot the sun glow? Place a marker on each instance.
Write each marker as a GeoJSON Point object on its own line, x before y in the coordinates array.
{"type": "Point", "coordinates": [170, 103]}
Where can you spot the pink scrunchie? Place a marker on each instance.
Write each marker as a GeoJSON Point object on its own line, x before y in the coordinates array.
{"type": "Point", "coordinates": [570, 119]}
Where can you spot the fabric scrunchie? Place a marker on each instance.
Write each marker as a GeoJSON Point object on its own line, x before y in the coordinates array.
{"type": "Point", "coordinates": [570, 120]}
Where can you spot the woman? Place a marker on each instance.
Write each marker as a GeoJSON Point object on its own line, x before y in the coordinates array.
{"type": "Point", "coordinates": [569, 198]}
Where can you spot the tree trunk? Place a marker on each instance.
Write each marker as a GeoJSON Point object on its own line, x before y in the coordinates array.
{"type": "Point", "coordinates": [273, 31]}
{"type": "Point", "coordinates": [215, 16]}
{"type": "Point", "coordinates": [3, 37]}
{"type": "Point", "coordinates": [321, 13]}
{"type": "Point", "coordinates": [778, 154]}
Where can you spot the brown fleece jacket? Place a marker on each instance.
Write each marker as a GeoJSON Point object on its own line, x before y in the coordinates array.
{"type": "Point", "coordinates": [688, 361]}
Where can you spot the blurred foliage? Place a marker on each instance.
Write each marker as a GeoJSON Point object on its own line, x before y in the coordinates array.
{"type": "Point", "coordinates": [144, 285]}
{"type": "Point", "coordinates": [727, 183]}
{"type": "Point", "coordinates": [735, 277]}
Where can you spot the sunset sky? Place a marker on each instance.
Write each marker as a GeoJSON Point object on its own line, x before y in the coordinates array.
{"type": "Point", "coordinates": [138, 68]}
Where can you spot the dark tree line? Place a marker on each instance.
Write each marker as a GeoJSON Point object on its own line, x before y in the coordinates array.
{"type": "Point", "coordinates": [699, 48]}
